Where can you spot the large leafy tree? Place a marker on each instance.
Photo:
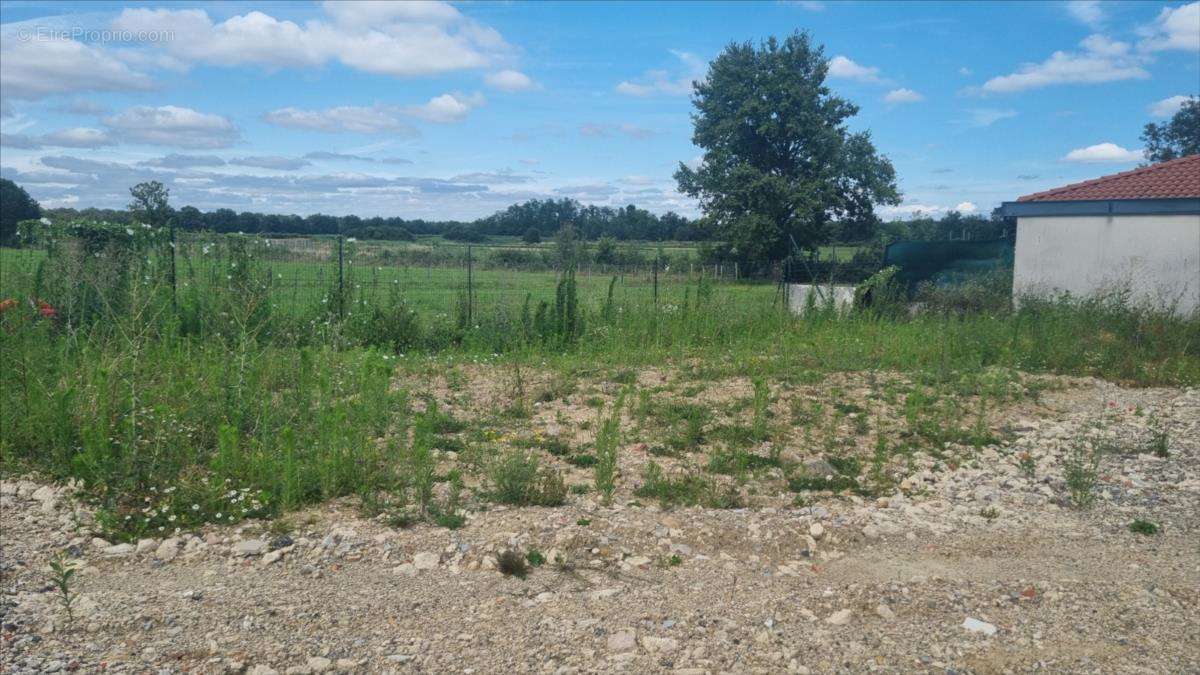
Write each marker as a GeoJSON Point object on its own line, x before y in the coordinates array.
{"type": "Point", "coordinates": [15, 205]}
{"type": "Point", "coordinates": [150, 203]}
{"type": "Point", "coordinates": [779, 165]}
{"type": "Point", "coordinates": [1178, 137]}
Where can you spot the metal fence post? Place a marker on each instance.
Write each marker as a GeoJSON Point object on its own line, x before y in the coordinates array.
{"type": "Point", "coordinates": [656, 281]}
{"type": "Point", "coordinates": [174, 287]}
{"type": "Point", "coordinates": [470, 290]}
{"type": "Point", "coordinates": [341, 276]}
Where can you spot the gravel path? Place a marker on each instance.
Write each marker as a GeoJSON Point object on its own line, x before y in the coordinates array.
{"type": "Point", "coordinates": [973, 569]}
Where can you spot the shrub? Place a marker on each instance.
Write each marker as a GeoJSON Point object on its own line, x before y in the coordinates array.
{"type": "Point", "coordinates": [1081, 471]}
{"type": "Point", "coordinates": [990, 292]}
{"type": "Point", "coordinates": [607, 442]}
{"type": "Point", "coordinates": [518, 479]}
{"type": "Point", "coordinates": [512, 564]}
{"type": "Point", "coordinates": [881, 294]}
{"type": "Point", "coordinates": [687, 489]}
{"type": "Point", "coordinates": [1143, 527]}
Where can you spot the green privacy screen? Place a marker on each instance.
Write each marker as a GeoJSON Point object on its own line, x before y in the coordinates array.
{"type": "Point", "coordinates": [946, 262]}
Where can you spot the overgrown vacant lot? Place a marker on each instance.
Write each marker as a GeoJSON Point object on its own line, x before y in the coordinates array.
{"type": "Point", "coordinates": [796, 520]}
{"type": "Point", "coordinates": [594, 482]}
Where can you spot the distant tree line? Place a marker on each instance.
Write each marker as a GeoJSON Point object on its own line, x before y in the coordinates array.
{"type": "Point", "coordinates": [534, 220]}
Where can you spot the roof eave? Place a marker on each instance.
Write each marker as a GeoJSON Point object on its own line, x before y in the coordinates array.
{"type": "Point", "coordinates": [1102, 207]}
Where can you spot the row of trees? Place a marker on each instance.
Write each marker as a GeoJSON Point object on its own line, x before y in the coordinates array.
{"type": "Point", "coordinates": [535, 219]}
{"type": "Point", "coordinates": [542, 218]}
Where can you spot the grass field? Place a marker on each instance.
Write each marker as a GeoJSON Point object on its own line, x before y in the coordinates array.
{"type": "Point", "coordinates": [298, 285]}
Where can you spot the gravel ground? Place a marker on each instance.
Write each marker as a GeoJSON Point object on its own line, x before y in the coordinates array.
{"type": "Point", "coordinates": [976, 568]}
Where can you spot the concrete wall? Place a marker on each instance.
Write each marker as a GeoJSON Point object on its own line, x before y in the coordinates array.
{"type": "Point", "coordinates": [797, 296]}
{"type": "Point", "coordinates": [1156, 257]}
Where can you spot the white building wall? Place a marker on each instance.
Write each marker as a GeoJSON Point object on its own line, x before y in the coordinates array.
{"type": "Point", "coordinates": [798, 297]}
{"type": "Point", "coordinates": [1156, 257]}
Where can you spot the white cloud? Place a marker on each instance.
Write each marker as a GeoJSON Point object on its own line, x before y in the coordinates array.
{"type": "Point", "coordinates": [903, 95]}
{"type": "Point", "coordinates": [19, 141]}
{"type": "Point", "coordinates": [655, 82]}
{"type": "Point", "coordinates": [1168, 106]}
{"type": "Point", "coordinates": [84, 107]}
{"type": "Point", "coordinates": [1087, 12]}
{"type": "Point", "coordinates": [75, 137]}
{"type": "Point", "coordinates": [845, 68]}
{"type": "Point", "coordinates": [986, 117]}
{"type": "Point", "coordinates": [964, 71]}
{"type": "Point", "coordinates": [177, 161]}
{"type": "Point", "coordinates": [272, 162]}
{"type": "Point", "coordinates": [1174, 28]}
{"type": "Point", "coordinates": [447, 108]}
{"type": "Point", "coordinates": [375, 12]}
{"type": "Point", "coordinates": [1103, 152]}
{"type": "Point", "coordinates": [910, 210]}
{"type": "Point", "coordinates": [34, 69]}
{"type": "Point", "coordinates": [966, 207]}
{"type": "Point", "coordinates": [510, 80]}
{"type": "Point", "coordinates": [355, 119]}
{"type": "Point", "coordinates": [173, 126]}
{"type": "Point", "coordinates": [402, 39]}
{"type": "Point", "coordinates": [78, 137]}
{"type": "Point", "coordinates": [1103, 60]}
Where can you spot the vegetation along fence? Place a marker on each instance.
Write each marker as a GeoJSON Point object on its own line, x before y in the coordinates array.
{"type": "Point", "coordinates": [85, 272]}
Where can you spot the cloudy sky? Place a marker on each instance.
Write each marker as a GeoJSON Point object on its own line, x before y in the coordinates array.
{"type": "Point", "coordinates": [435, 110]}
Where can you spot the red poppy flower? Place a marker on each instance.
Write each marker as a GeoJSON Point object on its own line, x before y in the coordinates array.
{"type": "Point", "coordinates": [46, 310]}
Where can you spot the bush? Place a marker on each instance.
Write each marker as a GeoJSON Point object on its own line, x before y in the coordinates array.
{"type": "Point", "coordinates": [881, 294]}
{"type": "Point", "coordinates": [393, 326]}
{"type": "Point", "coordinates": [518, 479]}
{"type": "Point", "coordinates": [983, 293]}
{"type": "Point", "coordinates": [686, 489]}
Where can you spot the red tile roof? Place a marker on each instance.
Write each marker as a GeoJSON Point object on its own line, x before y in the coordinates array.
{"type": "Point", "coordinates": [1177, 178]}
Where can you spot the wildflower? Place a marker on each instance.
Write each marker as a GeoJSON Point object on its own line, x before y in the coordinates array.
{"type": "Point", "coordinates": [7, 304]}
{"type": "Point", "coordinates": [46, 310]}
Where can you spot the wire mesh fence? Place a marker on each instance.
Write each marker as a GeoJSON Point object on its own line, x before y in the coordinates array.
{"type": "Point", "coordinates": [330, 273]}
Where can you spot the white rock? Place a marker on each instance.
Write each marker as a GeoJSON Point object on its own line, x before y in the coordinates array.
{"type": "Point", "coordinates": [146, 545]}
{"type": "Point", "coordinates": [976, 626]}
{"type": "Point", "coordinates": [659, 645]}
{"type": "Point", "coordinates": [622, 641]}
{"type": "Point", "coordinates": [249, 547]}
{"type": "Point", "coordinates": [319, 664]}
{"type": "Point", "coordinates": [262, 670]}
{"type": "Point", "coordinates": [603, 593]}
{"type": "Point", "coordinates": [839, 618]}
{"type": "Point", "coordinates": [425, 561]}
{"type": "Point", "coordinates": [817, 530]}
{"type": "Point", "coordinates": [407, 569]}
{"type": "Point", "coordinates": [120, 550]}
{"type": "Point", "coordinates": [168, 549]}
{"type": "Point", "coordinates": [885, 612]}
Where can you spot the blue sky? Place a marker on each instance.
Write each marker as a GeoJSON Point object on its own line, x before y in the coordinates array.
{"type": "Point", "coordinates": [432, 110]}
